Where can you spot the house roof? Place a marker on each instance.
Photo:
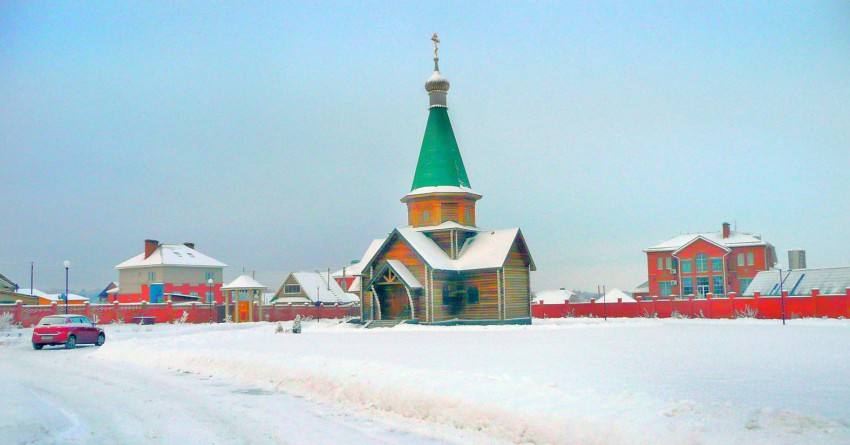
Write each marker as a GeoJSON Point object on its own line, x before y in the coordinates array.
{"type": "Point", "coordinates": [320, 288]}
{"type": "Point", "coordinates": [52, 297]}
{"type": "Point", "coordinates": [828, 281]}
{"type": "Point", "coordinates": [644, 287]}
{"type": "Point", "coordinates": [357, 268]}
{"type": "Point", "coordinates": [172, 255]}
{"type": "Point", "coordinates": [7, 283]}
{"type": "Point", "coordinates": [612, 295]}
{"type": "Point", "coordinates": [735, 239]}
{"type": "Point", "coordinates": [244, 282]}
{"type": "Point", "coordinates": [485, 250]}
{"type": "Point", "coordinates": [553, 296]}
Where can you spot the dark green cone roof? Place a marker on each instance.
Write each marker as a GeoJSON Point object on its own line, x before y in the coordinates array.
{"type": "Point", "coordinates": [439, 163]}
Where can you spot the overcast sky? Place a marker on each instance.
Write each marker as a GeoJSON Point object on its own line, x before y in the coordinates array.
{"type": "Point", "coordinates": [281, 137]}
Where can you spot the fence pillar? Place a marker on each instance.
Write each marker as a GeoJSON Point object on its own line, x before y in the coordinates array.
{"type": "Point", "coordinates": [19, 312]}
{"type": "Point", "coordinates": [171, 314]}
{"type": "Point", "coordinates": [87, 309]}
{"type": "Point", "coordinates": [709, 303]}
{"type": "Point", "coordinates": [54, 307]}
{"type": "Point", "coordinates": [115, 309]}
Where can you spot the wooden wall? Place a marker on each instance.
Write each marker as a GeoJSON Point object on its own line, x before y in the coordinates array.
{"type": "Point", "coordinates": [440, 209]}
{"type": "Point", "coordinates": [516, 282]}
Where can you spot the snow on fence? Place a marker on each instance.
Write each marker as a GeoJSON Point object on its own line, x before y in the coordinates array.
{"type": "Point", "coordinates": [27, 316]}
{"type": "Point", "coordinates": [758, 306]}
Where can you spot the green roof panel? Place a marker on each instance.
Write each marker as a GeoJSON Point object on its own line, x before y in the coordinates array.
{"type": "Point", "coordinates": [439, 163]}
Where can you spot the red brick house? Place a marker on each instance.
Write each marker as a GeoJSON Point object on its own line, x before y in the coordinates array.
{"type": "Point", "coordinates": [702, 263]}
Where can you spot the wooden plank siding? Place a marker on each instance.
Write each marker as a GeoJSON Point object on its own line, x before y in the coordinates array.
{"type": "Point", "coordinates": [399, 249]}
{"type": "Point", "coordinates": [517, 294]}
{"type": "Point", "coordinates": [442, 239]}
{"type": "Point", "coordinates": [487, 307]}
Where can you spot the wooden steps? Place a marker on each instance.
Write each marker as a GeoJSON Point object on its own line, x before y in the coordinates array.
{"type": "Point", "coordinates": [383, 323]}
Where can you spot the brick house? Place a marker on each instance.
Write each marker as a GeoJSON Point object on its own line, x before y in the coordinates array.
{"type": "Point", "coordinates": [702, 263]}
{"type": "Point", "coordinates": [166, 270]}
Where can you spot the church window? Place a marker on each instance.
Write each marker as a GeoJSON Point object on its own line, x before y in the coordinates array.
{"type": "Point", "coordinates": [472, 295]}
{"type": "Point", "coordinates": [426, 216]}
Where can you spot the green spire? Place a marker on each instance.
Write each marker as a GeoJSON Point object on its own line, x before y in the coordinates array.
{"type": "Point", "coordinates": [439, 163]}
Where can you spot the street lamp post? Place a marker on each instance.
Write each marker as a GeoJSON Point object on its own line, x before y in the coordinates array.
{"type": "Point", "coordinates": [67, 266]}
{"type": "Point", "coordinates": [781, 292]}
{"type": "Point", "coordinates": [210, 297]}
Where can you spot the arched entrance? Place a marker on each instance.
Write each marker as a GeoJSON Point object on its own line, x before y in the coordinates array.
{"type": "Point", "coordinates": [393, 288]}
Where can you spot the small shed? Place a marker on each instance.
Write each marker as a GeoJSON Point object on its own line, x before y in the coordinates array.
{"type": "Point", "coordinates": [243, 292]}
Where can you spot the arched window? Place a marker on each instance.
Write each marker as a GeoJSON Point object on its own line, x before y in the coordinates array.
{"type": "Point", "coordinates": [702, 262]}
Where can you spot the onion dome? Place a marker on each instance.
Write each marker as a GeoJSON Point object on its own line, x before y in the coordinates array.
{"type": "Point", "coordinates": [437, 82]}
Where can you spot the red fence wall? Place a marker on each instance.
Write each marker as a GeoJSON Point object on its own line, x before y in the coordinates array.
{"type": "Point", "coordinates": [168, 312]}
{"type": "Point", "coordinates": [815, 305]}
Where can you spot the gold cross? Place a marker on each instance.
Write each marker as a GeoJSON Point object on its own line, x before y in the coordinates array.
{"type": "Point", "coordinates": [436, 40]}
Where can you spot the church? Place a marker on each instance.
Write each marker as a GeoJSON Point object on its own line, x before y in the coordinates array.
{"type": "Point", "coordinates": [441, 268]}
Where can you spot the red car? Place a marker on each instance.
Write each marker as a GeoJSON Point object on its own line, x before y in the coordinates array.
{"type": "Point", "coordinates": [69, 330]}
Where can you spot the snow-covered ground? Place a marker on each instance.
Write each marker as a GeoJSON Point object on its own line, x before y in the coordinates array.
{"type": "Point", "coordinates": [559, 381]}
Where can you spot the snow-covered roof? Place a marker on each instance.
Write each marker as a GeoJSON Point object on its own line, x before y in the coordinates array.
{"type": "Point", "coordinates": [643, 287]}
{"type": "Point", "coordinates": [7, 283]}
{"type": "Point", "coordinates": [172, 255]}
{"type": "Point", "coordinates": [319, 287]}
{"type": "Point", "coordinates": [828, 281]}
{"type": "Point", "coordinates": [33, 292]}
{"type": "Point", "coordinates": [405, 274]}
{"type": "Point", "coordinates": [355, 285]}
{"type": "Point", "coordinates": [244, 282]}
{"type": "Point", "coordinates": [52, 297]}
{"type": "Point", "coordinates": [357, 268]}
{"type": "Point", "coordinates": [486, 250]}
{"type": "Point", "coordinates": [613, 295]}
{"type": "Point", "coordinates": [735, 239]}
{"type": "Point", "coordinates": [553, 296]}
{"type": "Point", "coordinates": [440, 189]}
{"type": "Point", "coordinates": [446, 225]}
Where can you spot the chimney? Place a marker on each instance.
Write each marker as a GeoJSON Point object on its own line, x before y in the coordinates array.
{"type": "Point", "coordinates": [726, 230]}
{"type": "Point", "coordinates": [150, 246]}
{"type": "Point", "coordinates": [190, 245]}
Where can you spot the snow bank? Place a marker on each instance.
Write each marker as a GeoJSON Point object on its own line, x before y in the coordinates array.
{"type": "Point", "coordinates": [570, 381]}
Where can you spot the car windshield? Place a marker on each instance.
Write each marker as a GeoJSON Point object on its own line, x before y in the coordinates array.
{"type": "Point", "coordinates": [48, 321]}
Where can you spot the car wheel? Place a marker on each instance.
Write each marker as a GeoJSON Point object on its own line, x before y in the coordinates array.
{"type": "Point", "coordinates": [71, 343]}
{"type": "Point", "coordinates": [101, 339]}
{"type": "Point", "coordinates": [37, 346]}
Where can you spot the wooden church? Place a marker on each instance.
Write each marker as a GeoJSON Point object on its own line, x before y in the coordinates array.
{"type": "Point", "coordinates": [442, 268]}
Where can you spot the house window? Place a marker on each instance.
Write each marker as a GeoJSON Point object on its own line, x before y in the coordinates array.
{"type": "Point", "coordinates": [745, 283]}
{"type": "Point", "coordinates": [702, 263]}
{"type": "Point", "coordinates": [750, 259]}
{"type": "Point", "coordinates": [208, 276]}
{"type": "Point", "coordinates": [702, 286]}
{"type": "Point", "coordinates": [194, 294]}
{"type": "Point", "coordinates": [740, 259]}
{"type": "Point", "coordinates": [660, 263]}
{"type": "Point", "coordinates": [151, 276]}
{"type": "Point", "coordinates": [687, 266]}
{"type": "Point", "coordinates": [292, 288]}
{"type": "Point", "coordinates": [209, 297]}
{"type": "Point", "coordinates": [669, 262]}
{"type": "Point", "coordinates": [717, 264]}
{"type": "Point", "coordinates": [472, 295]}
{"type": "Point", "coordinates": [666, 288]}
{"type": "Point", "coordinates": [687, 286]}
{"type": "Point", "coordinates": [717, 286]}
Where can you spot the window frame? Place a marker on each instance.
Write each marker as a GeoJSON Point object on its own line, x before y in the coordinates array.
{"type": "Point", "coordinates": [687, 282]}
{"type": "Point", "coordinates": [715, 280]}
{"type": "Point", "coordinates": [716, 261]}
{"type": "Point", "coordinates": [701, 263]}
{"type": "Point", "coordinates": [287, 287]}
{"type": "Point", "coordinates": [703, 289]}
{"type": "Point", "coordinates": [687, 266]}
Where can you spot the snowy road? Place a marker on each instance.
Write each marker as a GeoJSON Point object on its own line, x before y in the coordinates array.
{"type": "Point", "coordinates": [58, 396]}
{"type": "Point", "coordinates": [581, 381]}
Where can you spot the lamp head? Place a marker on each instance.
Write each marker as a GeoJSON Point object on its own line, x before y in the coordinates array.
{"type": "Point", "coordinates": [67, 264]}
{"type": "Point", "coordinates": [210, 281]}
